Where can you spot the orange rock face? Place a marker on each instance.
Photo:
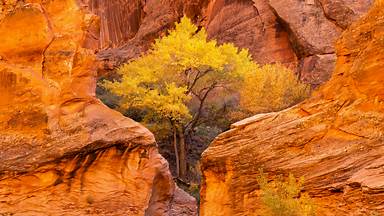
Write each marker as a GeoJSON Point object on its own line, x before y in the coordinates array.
{"type": "Point", "coordinates": [251, 25]}
{"type": "Point", "coordinates": [62, 152]}
{"type": "Point", "coordinates": [335, 139]}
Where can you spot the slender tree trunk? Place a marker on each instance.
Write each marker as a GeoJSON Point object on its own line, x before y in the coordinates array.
{"type": "Point", "coordinates": [183, 155]}
{"type": "Point", "coordinates": [176, 151]}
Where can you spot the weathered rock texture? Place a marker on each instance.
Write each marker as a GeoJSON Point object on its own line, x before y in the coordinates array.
{"type": "Point", "coordinates": [62, 152]}
{"type": "Point", "coordinates": [335, 139]}
{"type": "Point", "coordinates": [298, 33]}
{"type": "Point", "coordinates": [252, 25]}
{"type": "Point", "coordinates": [314, 26]}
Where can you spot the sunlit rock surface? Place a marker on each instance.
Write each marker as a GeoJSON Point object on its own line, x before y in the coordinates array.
{"type": "Point", "coordinates": [335, 139]}
{"type": "Point", "coordinates": [62, 152]}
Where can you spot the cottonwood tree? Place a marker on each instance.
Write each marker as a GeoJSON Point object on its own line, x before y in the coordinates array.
{"type": "Point", "coordinates": [174, 79]}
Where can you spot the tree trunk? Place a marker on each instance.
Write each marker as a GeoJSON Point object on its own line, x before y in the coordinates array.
{"type": "Point", "coordinates": [183, 155]}
{"type": "Point", "coordinates": [176, 151]}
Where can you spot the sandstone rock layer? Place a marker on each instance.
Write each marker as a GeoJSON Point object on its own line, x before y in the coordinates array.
{"type": "Point", "coordinates": [335, 139]}
{"type": "Point", "coordinates": [62, 152]}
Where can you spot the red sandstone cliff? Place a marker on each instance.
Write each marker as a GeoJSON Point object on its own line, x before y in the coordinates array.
{"type": "Point", "coordinates": [335, 139]}
{"type": "Point", "coordinates": [62, 152]}
{"type": "Point", "coordinates": [295, 32]}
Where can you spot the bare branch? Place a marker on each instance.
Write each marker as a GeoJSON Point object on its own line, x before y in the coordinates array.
{"type": "Point", "coordinates": [202, 98]}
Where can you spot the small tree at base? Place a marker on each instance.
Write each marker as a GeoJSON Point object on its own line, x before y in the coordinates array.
{"type": "Point", "coordinates": [284, 197]}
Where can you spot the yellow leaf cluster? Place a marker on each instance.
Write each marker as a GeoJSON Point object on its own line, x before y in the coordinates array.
{"type": "Point", "coordinates": [271, 88]}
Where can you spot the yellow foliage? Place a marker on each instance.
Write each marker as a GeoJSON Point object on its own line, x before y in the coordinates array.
{"type": "Point", "coordinates": [179, 66]}
{"type": "Point", "coordinates": [271, 88]}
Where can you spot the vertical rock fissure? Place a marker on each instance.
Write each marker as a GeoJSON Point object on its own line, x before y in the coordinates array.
{"type": "Point", "coordinates": [53, 37]}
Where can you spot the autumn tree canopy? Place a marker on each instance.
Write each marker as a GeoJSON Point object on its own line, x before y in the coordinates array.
{"type": "Point", "coordinates": [170, 86]}
{"type": "Point", "coordinates": [180, 67]}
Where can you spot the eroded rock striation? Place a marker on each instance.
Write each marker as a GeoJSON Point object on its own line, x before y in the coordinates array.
{"type": "Point", "coordinates": [62, 152]}
{"type": "Point", "coordinates": [300, 34]}
{"type": "Point", "coordinates": [335, 139]}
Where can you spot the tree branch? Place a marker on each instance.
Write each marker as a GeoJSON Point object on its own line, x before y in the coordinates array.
{"type": "Point", "coordinates": [198, 76]}
{"type": "Point", "coordinates": [202, 97]}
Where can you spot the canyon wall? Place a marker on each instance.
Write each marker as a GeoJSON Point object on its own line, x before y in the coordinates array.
{"type": "Point", "coordinates": [62, 152]}
{"type": "Point", "coordinates": [300, 34]}
{"type": "Point", "coordinates": [334, 139]}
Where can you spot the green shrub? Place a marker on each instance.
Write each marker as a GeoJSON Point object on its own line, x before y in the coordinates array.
{"type": "Point", "coordinates": [283, 197]}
